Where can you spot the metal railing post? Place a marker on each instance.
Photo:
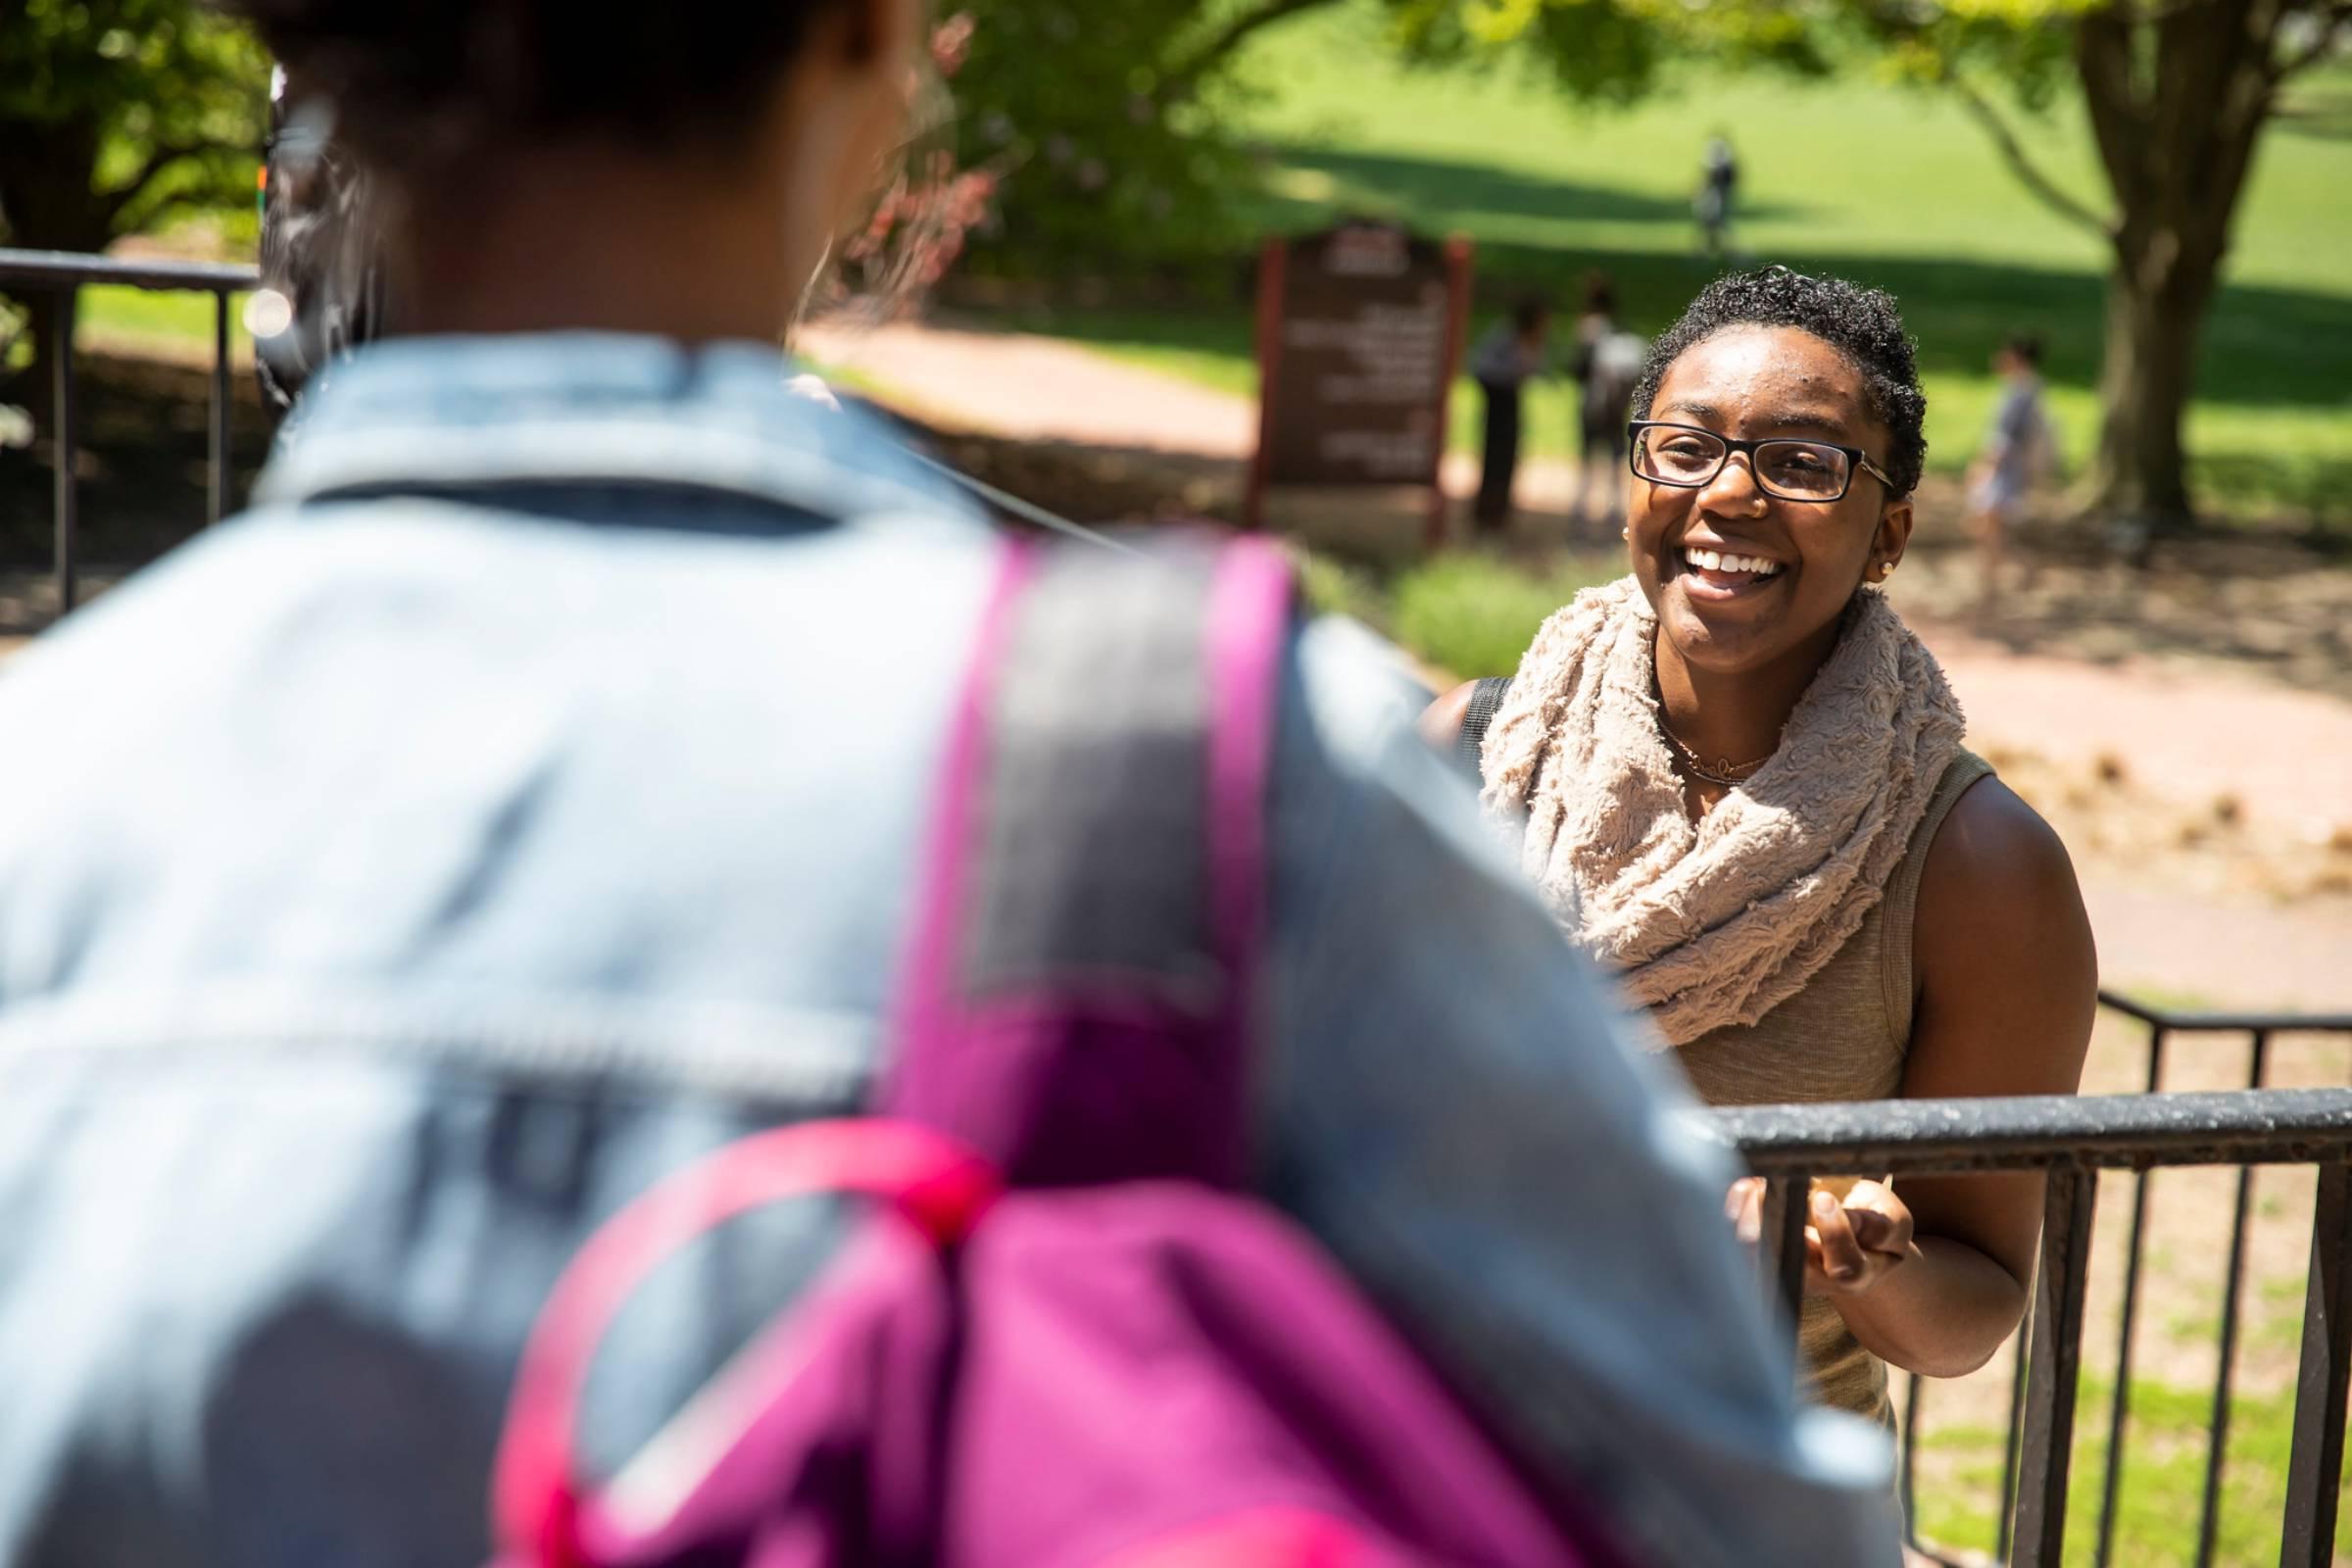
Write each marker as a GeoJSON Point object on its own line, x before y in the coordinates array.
{"type": "Point", "coordinates": [2005, 1516]}
{"type": "Point", "coordinates": [2047, 1449]}
{"type": "Point", "coordinates": [66, 493]}
{"type": "Point", "coordinates": [2119, 1408]}
{"type": "Point", "coordinates": [217, 472]}
{"type": "Point", "coordinates": [2314, 1466]}
{"type": "Point", "coordinates": [1780, 1246]}
{"type": "Point", "coordinates": [2216, 1450]}
{"type": "Point", "coordinates": [61, 276]}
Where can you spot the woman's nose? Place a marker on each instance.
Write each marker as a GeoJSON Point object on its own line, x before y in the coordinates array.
{"type": "Point", "coordinates": [1734, 490]}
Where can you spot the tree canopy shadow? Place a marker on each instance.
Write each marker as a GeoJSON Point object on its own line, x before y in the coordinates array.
{"type": "Point", "coordinates": [1454, 192]}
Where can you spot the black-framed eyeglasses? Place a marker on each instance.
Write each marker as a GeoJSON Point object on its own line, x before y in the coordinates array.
{"type": "Point", "coordinates": [1687, 457]}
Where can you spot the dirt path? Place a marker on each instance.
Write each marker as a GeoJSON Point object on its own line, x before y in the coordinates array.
{"type": "Point", "coordinates": [2192, 740]}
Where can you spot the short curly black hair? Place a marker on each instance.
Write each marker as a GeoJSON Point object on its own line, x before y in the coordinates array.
{"type": "Point", "coordinates": [416, 83]}
{"type": "Point", "coordinates": [1861, 323]}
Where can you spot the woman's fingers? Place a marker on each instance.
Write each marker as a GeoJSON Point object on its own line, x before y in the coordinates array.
{"type": "Point", "coordinates": [1882, 1221]}
{"type": "Point", "coordinates": [1841, 1257]}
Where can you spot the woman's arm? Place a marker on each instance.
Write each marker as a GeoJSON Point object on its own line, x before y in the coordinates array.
{"type": "Point", "coordinates": [1441, 722]}
{"type": "Point", "coordinates": [2007, 983]}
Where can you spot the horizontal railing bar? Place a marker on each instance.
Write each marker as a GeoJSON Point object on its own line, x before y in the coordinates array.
{"type": "Point", "coordinates": [2281, 1022]}
{"type": "Point", "coordinates": [71, 270]}
{"type": "Point", "coordinates": [2033, 1132]}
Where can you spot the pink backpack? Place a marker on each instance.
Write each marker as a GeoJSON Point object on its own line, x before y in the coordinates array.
{"type": "Point", "coordinates": [1068, 1337]}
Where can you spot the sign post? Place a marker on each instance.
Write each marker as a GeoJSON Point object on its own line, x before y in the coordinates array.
{"type": "Point", "coordinates": [1359, 335]}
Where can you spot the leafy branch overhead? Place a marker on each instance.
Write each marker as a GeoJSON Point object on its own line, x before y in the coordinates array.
{"type": "Point", "coordinates": [115, 113]}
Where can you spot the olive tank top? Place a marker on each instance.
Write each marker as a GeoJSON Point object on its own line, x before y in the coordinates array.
{"type": "Point", "coordinates": [1843, 1037]}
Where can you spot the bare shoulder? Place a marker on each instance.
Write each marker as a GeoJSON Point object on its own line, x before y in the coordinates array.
{"type": "Point", "coordinates": [1998, 896]}
{"type": "Point", "coordinates": [2002, 954]}
{"type": "Point", "coordinates": [1994, 848]}
{"type": "Point", "coordinates": [1441, 722]}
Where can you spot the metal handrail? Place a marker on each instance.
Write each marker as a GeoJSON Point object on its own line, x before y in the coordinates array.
{"type": "Point", "coordinates": [65, 272]}
{"type": "Point", "coordinates": [56, 269]}
{"type": "Point", "coordinates": [2040, 1132]}
{"type": "Point", "coordinates": [2071, 1138]}
{"type": "Point", "coordinates": [2195, 1022]}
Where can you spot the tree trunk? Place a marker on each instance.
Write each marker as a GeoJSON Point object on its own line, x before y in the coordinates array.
{"type": "Point", "coordinates": [2156, 307]}
{"type": "Point", "coordinates": [45, 193]}
{"type": "Point", "coordinates": [2178, 98]}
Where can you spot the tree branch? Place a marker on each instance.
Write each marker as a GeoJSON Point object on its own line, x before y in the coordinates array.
{"type": "Point", "coordinates": [162, 158]}
{"type": "Point", "coordinates": [2332, 20]}
{"type": "Point", "coordinates": [1187, 73]}
{"type": "Point", "coordinates": [2103, 61]}
{"type": "Point", "coordinates": [2013, 153]}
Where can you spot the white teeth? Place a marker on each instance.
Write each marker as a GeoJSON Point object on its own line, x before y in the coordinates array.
{"type": "Point", "coordinates": [1717, 561]}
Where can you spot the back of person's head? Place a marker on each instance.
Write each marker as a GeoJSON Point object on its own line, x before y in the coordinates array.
{"type": "Point", "coordinates": [1600, 295]}
{"type": "Point", "coordinates": [418, 84]}
{"type": "Point", "coordinates": [2024, 348]}
{"type": "Point", "coordinates": [1530, 314]}
{"type": "Point", "coordinates": [525, 150]}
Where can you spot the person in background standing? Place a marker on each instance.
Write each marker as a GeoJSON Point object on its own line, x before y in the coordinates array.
{"type": "Point", "coordinates": [1511, 352]}
{"type": "Point", "coordinates": [2018, 450]}
{"type": "Point", "coordinates": [1719, 178]}
{"type": "Point", "coordinates": [1607, 364]}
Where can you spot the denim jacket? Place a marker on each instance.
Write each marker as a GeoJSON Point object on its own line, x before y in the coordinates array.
{"type": "Point", "coordinates": [519, 802]}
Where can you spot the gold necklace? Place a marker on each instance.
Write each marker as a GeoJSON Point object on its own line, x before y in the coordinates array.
{"type": "Point", "coordinates": [1724, 774]}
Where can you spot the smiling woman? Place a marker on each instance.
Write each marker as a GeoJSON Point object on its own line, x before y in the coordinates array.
{"type": "Point", "coordinates": [1738, 779]}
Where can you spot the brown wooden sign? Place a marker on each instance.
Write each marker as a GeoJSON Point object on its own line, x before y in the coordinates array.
{"type": "Point", "coordinates": [1359, 334]}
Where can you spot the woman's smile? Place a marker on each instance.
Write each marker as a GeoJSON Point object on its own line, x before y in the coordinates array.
{"type": "Point", "coordinates": [1716, 573]}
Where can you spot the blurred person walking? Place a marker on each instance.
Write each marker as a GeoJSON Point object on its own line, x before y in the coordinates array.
{"type": "Point", "coordinates": [1606, 367]}
{"type": "Point", "coordinates": [1509, 356]}
{"type": "Point", "coordinates": [2020, 450]}
{"type": "Point", "coordinates": [1742, 783]}
{"type": "Point", "coordinates": [1711, 205]}
{"type": "Point", "coordinates": [595, 769]}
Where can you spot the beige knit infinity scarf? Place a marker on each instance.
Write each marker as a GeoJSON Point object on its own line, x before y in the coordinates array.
{"type": "Point", "coordinates": [1720, 921]}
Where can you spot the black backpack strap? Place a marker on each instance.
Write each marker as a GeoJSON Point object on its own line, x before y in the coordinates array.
{"type": "Point", "coordinates": [1485, 698]}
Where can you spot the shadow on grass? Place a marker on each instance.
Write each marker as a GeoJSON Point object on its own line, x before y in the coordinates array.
{"type": "Point", "coordinates": [1444, 192]}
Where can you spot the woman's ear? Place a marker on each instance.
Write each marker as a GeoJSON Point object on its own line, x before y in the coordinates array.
{"type": "Point", "coordinates": [1888, 542]}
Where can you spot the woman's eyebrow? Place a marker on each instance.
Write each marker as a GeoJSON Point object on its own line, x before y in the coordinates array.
{"type": "Point", "coordinates": [1700, 412]}
{"type": "Point", "coordinates": [1817, 419]}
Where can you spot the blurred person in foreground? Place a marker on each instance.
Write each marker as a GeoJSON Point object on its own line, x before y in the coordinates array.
{"type": "Point", "coordinates": [1740, 782]}
{"type": "Point", "coordinates": [524, 800]}
{"type": "Point", "coordinates": [1607, 366]}
{"type": "Point", "coordinates": [1508, 357]}
{"type": "Point", "coordinates": [2019, 451]}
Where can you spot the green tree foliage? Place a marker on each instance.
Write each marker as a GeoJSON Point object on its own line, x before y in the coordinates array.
{"type": "Point", "coordinates": [1102, 125]}
{"type": "Point", "coordinates": [118, 115]}
{"type": "Point", "coordinates": [2178, 93]}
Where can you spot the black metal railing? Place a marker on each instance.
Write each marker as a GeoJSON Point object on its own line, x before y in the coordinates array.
{"type": "Point", "coordinates": [2072, 1139]}
{"type": "Point", "coordinates": [63, 274]}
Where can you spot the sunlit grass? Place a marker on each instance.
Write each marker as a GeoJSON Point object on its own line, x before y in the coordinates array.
{"type": "Point", "coordinates": [2161, 1500]}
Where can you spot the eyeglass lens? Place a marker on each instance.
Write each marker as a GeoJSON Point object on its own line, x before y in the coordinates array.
{"type": "Point", "coordinates": [1802, 470]}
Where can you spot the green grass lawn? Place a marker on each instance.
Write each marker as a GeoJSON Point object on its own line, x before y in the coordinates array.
{"type": "Point", "coordinates": [1870, 179]}
{"type": "Point", "coordinates": [2159, 1502]}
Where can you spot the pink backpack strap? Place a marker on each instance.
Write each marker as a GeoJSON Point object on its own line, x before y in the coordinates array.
{"type": "Point", "coordinates": [537, 1501]}
{"type": "Point", "coordinates": [1096, 867]}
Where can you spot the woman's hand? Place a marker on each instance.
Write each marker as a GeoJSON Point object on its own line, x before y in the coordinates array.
{"type": "Point", "coordinates": [1850, 1247]}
